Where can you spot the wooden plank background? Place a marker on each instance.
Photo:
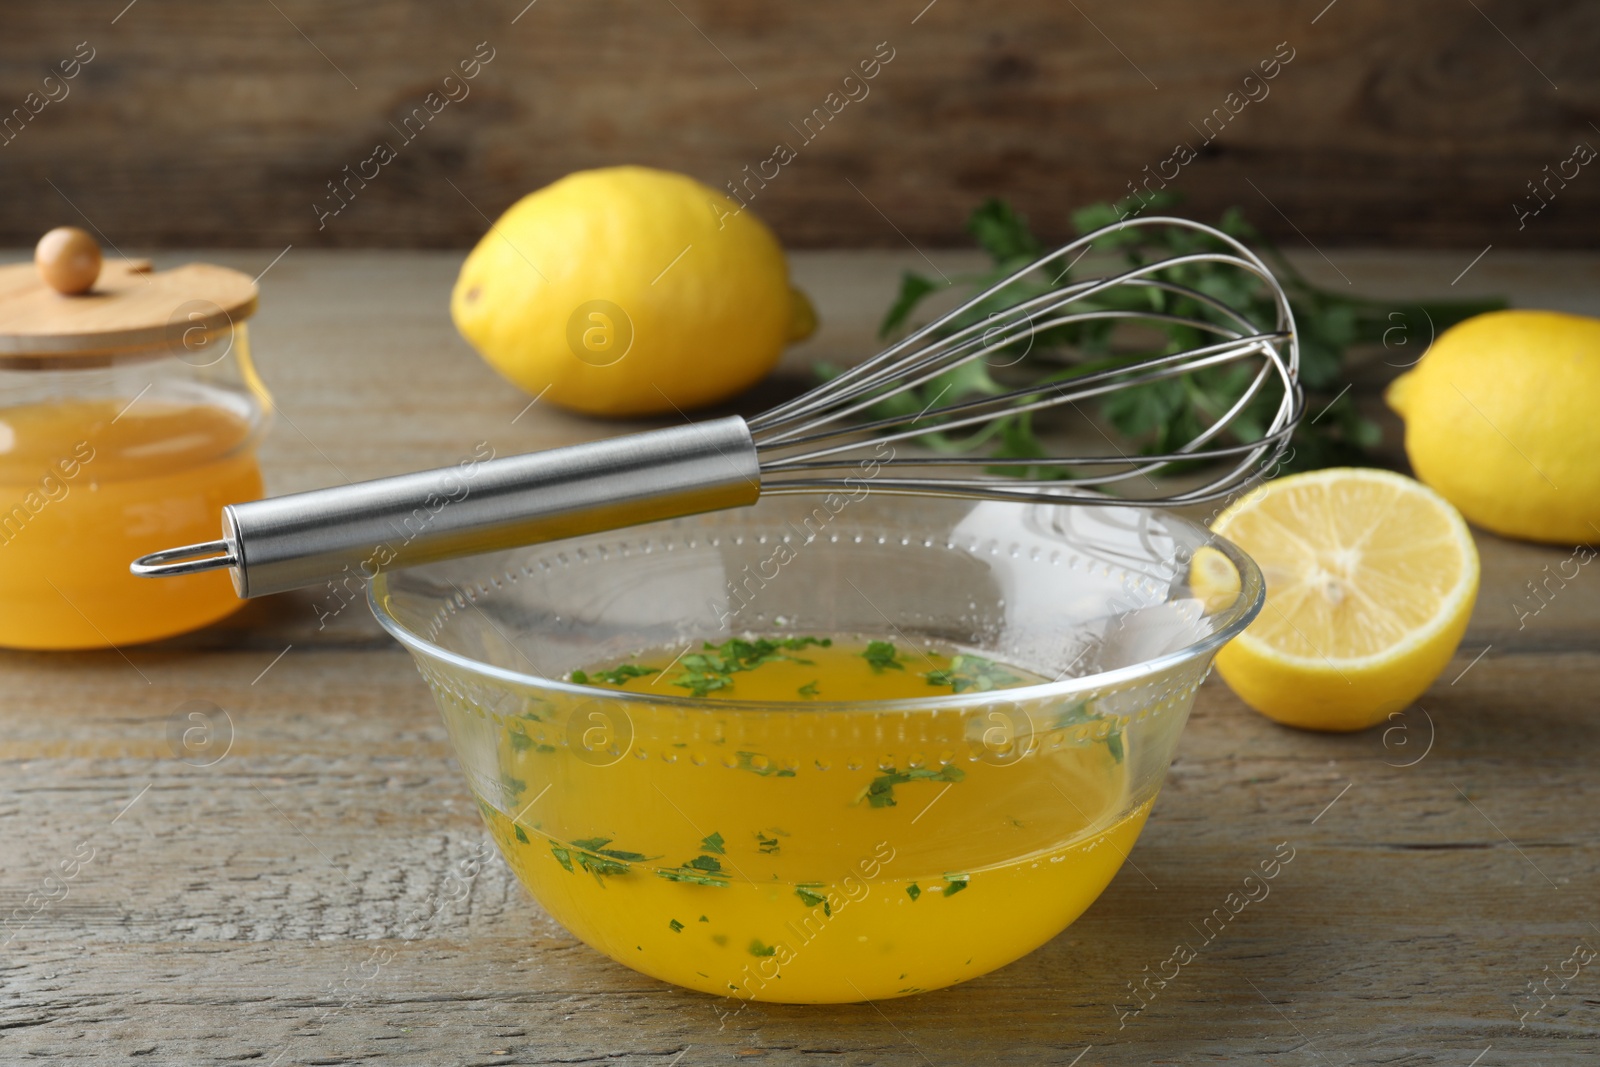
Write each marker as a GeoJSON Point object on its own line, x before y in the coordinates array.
{"type": "Point", "coordinates": [199, 123]}
{"type": "Point", "coordinates": [256, 909]}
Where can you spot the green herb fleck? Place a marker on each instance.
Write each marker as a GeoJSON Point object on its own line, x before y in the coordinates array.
{"type": "Point", "coordinates": [513, 785]}
{"type": "Point", "coordinates": [621, 674]}
{"type": "Point", "coordinates": [713, 667]}
{"type": "Point", "coordinates": [701, 681]}
{"type": "Point", "coordinates": [677, 927]}
{"type": "Point", "coordinates": [520, 835]}
{"type": "Point", "coordinates": [880, 793]}
{"type": "Point", "coordinates": [955, 883]}
{"type": "Point", "coordinates": [592, 855]}
{"type": "Point", "coordinates": [1078, 715]}
{"type": "Point", "coordinates": [520, 742]}
{"type": "Point", "coordinates": [712, 844]}
{"type": "Point", "coordinates": [767, 845]}
{"type": "Point", "coordinates": [1075, 714]}
{"type": "Point", "coordinates": [597, 845]}
{"type": "Point", "coordinates": [702, 870]}
{"type": "Point", "coordinates": [579, 678]}
{"type": "Point", "coordinates": [747, 762]}
{"type": "Point", "coordinates": [810, 688]}
{"type": "Point", "coordinates": [972, 672]}
{"type": "Point", "coordinates": [913, 891]}
{"type": "Point", "coordinates": [808, 895]}
{"type": "Point", "coordinates": [758, 949]}
{"type": "Point", "coordinates": [880, 655]}
{"type": "Point", "coordinates": [704, 919]}
{"type": "Point", "coordinates": [1114, 745]}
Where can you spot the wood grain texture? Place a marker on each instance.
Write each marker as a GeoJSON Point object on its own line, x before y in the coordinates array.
{"type": "Point", "coordinates": [205, 124]}
{"type": "Point", "coordinates": [291, 902]}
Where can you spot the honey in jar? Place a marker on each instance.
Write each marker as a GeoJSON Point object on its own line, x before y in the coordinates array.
{"type": "Point", "coordinates": [129, 415]}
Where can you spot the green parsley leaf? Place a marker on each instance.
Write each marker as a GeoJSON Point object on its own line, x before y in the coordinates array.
{"type": "Point", "coordinates": [592, 855]}
{"type": "Point", "coordinates": [620, 675]}
{"type": "Point", "coordinates": [955, 883]}
{"type": "Point", "coordinates": [712, 844]}
{"type": "Point", "coordinates": [810, 688]}
{"type": "Point", "coordinates": [913, 891]}
{"type": "Point", "coordinates": [677, 927]}
{"type": "Point", "coordinates": [579, 678]}
{"type": "Point", "coordinates": [972, 672]}
{"type": "Point", "coordinates": [520, 742]}
{"type": "Point", "coordinates": [699, 683]}
{"type": "Point", "coordinates": [1078, 714]}
{"type": "Point", "coordinates": [712, 668]}
{"type": "Point", "coordinates": [913, 287]}
{"type": "Point", "coordinates": [521, 836]}
{"type": "Point", "coordinates": [811, 899]}
{"type": "Point", "coordinates": [1002, 232]}
{"type": "Point", "coordinates": [880, 655]}
{"type": "Point", "coordinates": [768, 845]}
{"type": "Point", "coordinates": [747, 763]}
{"type": "Point", "coordinates": [880, 792]}
{"type": "Point", "coordinates": [702, 870]}
{"type": "Point", "coordinates": [758, 949]}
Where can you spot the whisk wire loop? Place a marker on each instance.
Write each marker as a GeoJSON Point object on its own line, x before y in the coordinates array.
{"type": "Point", "coordinates": [830, 428]}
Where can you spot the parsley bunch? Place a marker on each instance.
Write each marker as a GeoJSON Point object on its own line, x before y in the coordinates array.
{"type": "Point", "coordinates": [1157, 416]}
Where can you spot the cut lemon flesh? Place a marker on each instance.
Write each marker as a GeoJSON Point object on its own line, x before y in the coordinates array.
{"type": "Point", "coordinates": [1370, 578]}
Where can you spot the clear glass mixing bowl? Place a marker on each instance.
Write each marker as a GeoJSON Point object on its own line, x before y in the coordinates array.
{"type": "Point", "coordinates": [824, 851]}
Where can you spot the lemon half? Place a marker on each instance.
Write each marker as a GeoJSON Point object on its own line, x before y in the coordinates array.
{"type": "Point", "coordinates": [1370, 578]}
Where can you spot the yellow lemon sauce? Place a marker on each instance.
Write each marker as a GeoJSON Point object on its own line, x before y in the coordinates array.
{"type": "Point", "coordinates": [809, 855]}
{"type": "Point", "coordinates": [86, 486]}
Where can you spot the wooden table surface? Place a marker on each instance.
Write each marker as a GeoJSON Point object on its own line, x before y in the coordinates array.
{"type": "Point", "coordinates": [259, 909]}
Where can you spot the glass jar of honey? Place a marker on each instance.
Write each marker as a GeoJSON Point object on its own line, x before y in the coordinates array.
{"type": "Point", "coordinates": [129, 415]}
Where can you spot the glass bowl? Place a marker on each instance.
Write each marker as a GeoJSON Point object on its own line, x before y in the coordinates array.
{"type": "Point", "coordinates": [821, 851]}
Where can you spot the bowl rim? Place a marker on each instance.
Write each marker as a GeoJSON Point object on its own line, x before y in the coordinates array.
{"type": "Point", "coordinates": [1244, 609]}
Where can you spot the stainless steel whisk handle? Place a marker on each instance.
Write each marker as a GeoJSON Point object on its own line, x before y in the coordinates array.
{"type": "Point", "coordinates": [302, 539]}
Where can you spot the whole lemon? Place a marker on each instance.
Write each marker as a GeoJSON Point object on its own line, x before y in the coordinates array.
{"type": "Point", "coordinates": [1501, 420]}
{"type": "Point", "coordinates": [629, 291]}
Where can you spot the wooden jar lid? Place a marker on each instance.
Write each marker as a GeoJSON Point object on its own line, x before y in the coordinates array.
{"type": "Point", "coordinates": [130, 309]}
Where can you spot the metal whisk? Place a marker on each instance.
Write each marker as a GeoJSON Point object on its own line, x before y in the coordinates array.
{"type": "Point", "coordinates": [816, 443]}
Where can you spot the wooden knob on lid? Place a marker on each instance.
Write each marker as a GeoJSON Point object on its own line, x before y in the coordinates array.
{"type": "Point", "coordinates": [68, 260]}
{"type": "Point", "coordinates": [123, 308]}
